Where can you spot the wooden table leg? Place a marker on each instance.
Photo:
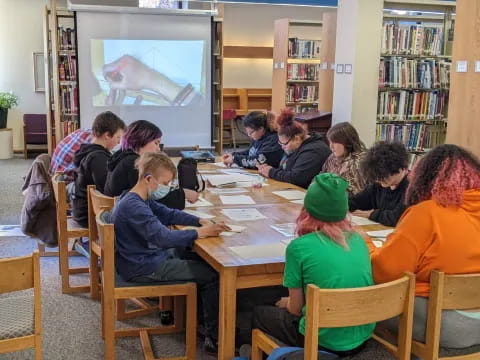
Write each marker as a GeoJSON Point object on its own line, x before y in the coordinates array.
{"type": "Point", "coordinates": [227, 310]}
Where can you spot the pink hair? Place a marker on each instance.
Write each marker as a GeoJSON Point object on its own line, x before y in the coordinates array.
{"type": "Point", "coordinates": [307, 224]}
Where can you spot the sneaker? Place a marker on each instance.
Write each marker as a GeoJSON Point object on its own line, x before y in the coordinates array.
{"type": "Point", "coordinates": [82, 248]}
{"type": "Point", "coordinates": [210, 346]}
{"type": "Point", "coordinates": [245, 351]}
{"type": "Point", "coordinates": [166, 318]}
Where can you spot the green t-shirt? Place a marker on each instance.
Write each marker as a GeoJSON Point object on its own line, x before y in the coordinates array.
{"type": "Point", "coordinates": [315, 259]}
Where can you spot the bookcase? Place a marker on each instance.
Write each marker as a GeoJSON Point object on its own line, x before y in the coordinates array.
{"type": "Point", "coordinates": [414, 76]}
{"type": "Point", "coordinates": [217, 80]}
{"type": "Point", "coordinates": [296, 65]}
{"type": "Point", "coordinates": [61, 73]}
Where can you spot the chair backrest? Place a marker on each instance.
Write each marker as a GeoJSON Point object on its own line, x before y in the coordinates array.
{"type": "Point", "coordinates": [449, 292]}
{"type": "Point", "coordinates": [35, 128]}
{"type": "Point", "coordinates": [23, 273]}
{"type": "Point", "coordinates": [330, 308]}
{"type": "Point", "coordinates": [106, 241]}
{"type": "Point", "coordinates": [96, 203]}
{"type": "Point", "coordinates": [60, 192]}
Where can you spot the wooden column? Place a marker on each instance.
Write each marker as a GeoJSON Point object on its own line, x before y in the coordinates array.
{"type": "Point", "coordinates": [464, 104]}
{"type": "Point", "coordinates": [325, 91]}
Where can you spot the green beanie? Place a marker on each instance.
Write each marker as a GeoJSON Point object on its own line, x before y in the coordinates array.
{"type": "Point", "coordinates": [327, 198]}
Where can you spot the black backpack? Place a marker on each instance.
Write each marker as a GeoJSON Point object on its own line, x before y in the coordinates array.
{"type": "Point", "coordinates": [188, 175]}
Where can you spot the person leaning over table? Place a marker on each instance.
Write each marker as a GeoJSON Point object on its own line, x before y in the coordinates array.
{"type": "Point", "coordinates": [264, 147]}
{"type": "Point", "coordinates": [385, 167]}
{"type": "Point", "coordinates": [304, 156]}
{"type": "Point", "coordinates": [347, 153]}
{"type": "Point", "coordinates": [440, 230]}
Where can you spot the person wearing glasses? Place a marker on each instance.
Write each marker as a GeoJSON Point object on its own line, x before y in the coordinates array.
{"type": "Point", "coordinates": [304, 156]}
{"type": "Point", "coordinates": [264, 148]}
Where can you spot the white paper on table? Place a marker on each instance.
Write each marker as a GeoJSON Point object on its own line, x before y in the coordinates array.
{"type": "Point", "coordinates": [377, 243]}
{"type": "Point", "coordinates": [199, 214]}
{"type": "Point", "coordinates": [234, 229]}
{"type": "Point", "coordinates": [218, 180]}
{"type": "Point", "coordinates": [201, 202]}
{"type": "Point", "coordinates": [247, 184]}
{"type": "Point", "coordinates": [300, 201]}
{"type": "Point", "coordinates": [227, 191]}
{"type": "Point", "coordinates": [290, 194]}
{"type": "Point", "coordinates": [260, 251]}
{"type": "Point", "coordinates": [220, 164]}
{"type": "Point", "coordinates": [287, 241]}
{"type": "Point", "coordinates": [360, 221]}
{"type": "Point", "coordinates": [243, 214]}
{"type": "Point", "coordinates": [237, 200]}
{"type": "Point", "coordinates": [234, 171]}
{"type": "Point", "coordinates": [287, 229]}
{"type": "Point", "coordinates": [205, 172]}
{"type": "Point", "coordinates": [380, 233]}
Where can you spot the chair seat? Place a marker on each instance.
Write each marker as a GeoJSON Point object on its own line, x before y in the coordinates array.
{"type": "Point", "coordinates": [16, 317]}
{"type": "Point", "coordinates": [119, 282]}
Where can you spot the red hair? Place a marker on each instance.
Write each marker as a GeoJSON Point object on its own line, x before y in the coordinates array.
{"type": "Point", "coordinates": [288, 126]}
{"type": "Point", "coordinates": [307, 224]}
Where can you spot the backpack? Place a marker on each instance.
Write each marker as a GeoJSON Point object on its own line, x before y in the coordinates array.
{"type": "Point", "coordinates": [188, 175]}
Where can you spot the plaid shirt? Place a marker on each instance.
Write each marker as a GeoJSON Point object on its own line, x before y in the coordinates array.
{"type": "Point", "coordinates": [62, 159]}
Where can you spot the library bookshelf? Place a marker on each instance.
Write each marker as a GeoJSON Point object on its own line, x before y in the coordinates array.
{"type": "Point", "coordinates": [414, 74]}
{"type": "Point", "coordinates": [61, 85]}
{"type": "Point", "coordinates": [217, 80]}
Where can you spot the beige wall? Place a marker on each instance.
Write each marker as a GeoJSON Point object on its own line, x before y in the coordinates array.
{"type": "Point", "coordinates": [21, 34]}
{"type": "Point", "coordinates": [252, 25]}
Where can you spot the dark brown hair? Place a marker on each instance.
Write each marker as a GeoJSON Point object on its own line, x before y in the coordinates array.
{"type": "Point", "coordinates": [288, 126]}
{"type": "Point", "coordinates": [107, 122]}
{"type": "Point", "coordinates": [344, 133]}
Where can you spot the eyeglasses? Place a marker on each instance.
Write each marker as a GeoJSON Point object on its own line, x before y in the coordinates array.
{"type": "Point", "coordinates": [250, 133]}
{"type": "Point", "coordinates": [285, 143]}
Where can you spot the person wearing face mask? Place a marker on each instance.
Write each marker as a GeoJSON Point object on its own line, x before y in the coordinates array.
{"type": "Point", "coordinates": [91, 161]}
{"type": "Point", "coordinates": [347, 153]}
{"type": "Point", "coordinates": [385, 167]}
{"type": "Point", "coordinates": [264, 148]}
{"type": "Point", "coordinates": [141, 137]}
{"type": "Point", "coordinates": [304, 154]}
{"type": "Point", "coordinates": [147, 251]}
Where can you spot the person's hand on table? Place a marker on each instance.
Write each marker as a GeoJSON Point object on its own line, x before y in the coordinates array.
{"type": "Point", "coordinates": [191, 196]}
{"type": "Point", "coordinates": [264, 170]}
{"type": "Point", "coordinates": [227, 159]}
{"type": "Point", "coordinates": [282, 303]}
{"type": "Point", "coordinates": [210, 229]}
{"type": "Point", "coordinates": [363, 213]}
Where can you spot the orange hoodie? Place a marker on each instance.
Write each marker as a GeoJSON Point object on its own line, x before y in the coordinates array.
{"type": "Point", "coordinates": [430, 237]}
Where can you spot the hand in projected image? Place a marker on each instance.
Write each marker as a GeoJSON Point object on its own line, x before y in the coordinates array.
{"type": "Point", "coordinates": [127, 73]}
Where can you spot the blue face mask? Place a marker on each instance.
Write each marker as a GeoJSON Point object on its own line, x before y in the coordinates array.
{"type": "Point", "coordinates": [160, 192]}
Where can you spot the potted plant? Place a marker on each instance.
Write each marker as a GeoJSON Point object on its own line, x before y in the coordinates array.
{"type": "Point", "coordinates": [7, 101]}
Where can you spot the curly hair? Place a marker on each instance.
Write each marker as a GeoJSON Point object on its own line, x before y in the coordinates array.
{"type": "Point", "coordinates": [344, 133]}
{"type": "Point", "coordinates": [384, 160]}
{"type": "Point", "coordinates": [288, 126]}
{"type": "Point", "coordinates": [443, 175]}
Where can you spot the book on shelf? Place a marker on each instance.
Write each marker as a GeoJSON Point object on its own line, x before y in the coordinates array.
{"type": "Point", "coordinates": [301, 109]}
{"type": "Point", "coordinates": [303, 71]}
{"type": "Point", "coordinates": [415, 137]}
{"type": "Point", "coordinates": [302, 93]}
{"type": "Point", "coordinates": [304, 49]}
{"type": "Point", "coordinates": [404, 105]}
{"type": "Point", "coordinates": [69, 99]}
{"type": "Point", "coordinates": [401, 72]}
{"type": "Point", "coordinates": [66, 38]}
{"type": "Point", "coordinates": [67, 67]}
{"type": "Point", "coordinates": [408, 39]}
{"type": "Point", "coordinates": [69, 126]}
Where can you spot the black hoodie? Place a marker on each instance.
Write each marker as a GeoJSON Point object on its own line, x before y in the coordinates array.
{"type": "Point", "coordinates": [91, 169]}
{"type": "Point", "coordinates": [301, 166]}
{"type": "Point", "coordinates": [122, 176]}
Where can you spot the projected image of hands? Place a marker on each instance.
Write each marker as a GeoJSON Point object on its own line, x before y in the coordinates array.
{"type": "Point", "coordinates": [149, 72]}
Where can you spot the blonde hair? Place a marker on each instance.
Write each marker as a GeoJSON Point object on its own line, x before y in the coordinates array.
{"type": "Point", "coordinates": [150, 163]}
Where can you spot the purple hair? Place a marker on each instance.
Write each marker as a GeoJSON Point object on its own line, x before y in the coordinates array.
{"type": "Point", "coordinates": [139, 133]}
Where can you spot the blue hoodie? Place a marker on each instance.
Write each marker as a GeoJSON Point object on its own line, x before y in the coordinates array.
{"type": "Point", "coordinates": [264, 150]}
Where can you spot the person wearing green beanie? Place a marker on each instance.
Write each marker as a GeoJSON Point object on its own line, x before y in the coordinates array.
{"type": "Point", "coordinates": [327, 253]}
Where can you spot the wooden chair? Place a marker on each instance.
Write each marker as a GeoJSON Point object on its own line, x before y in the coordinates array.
{"type": "Point", "coordinates": [330, 308]}
{"type": "Point", "coordinates": [20, 316]}
{"type": "Point", "coordinates": [67, 229]}
{"type": "Point", "coordinates": [447, 292]}
{"type": "Point", "coordinates": [34, 132]}
{"type": "Point", "coordinates": [114, 289]}
{"type": "Point", "coordinates": [96, 203]}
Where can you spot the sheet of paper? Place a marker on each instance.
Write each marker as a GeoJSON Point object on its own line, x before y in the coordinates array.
{"type": "Point", "coordinates": [260, 251]}
{"type": "Point", "coordinates": [234, 229]}
{"type": "Point", "coordinates": [243, 214]}
{"type": "Point", "coordinates": [11, 230]}
{"type": "Point", "coordinates": [297, 202]}
{"type": "Point", "coordinates": [201, 202]}
{"type": "Point", "coordinates": [233, 171]}
{"type": "Point", "coordinates": [227, 190]}
{"type": "Point", "coordinates": [377, 243]}
{"type": "Point", "coordinates": [380, 233]}
{"type": "Point", "coordinates": [221, 164]}
{"type": "Point", "coordinates": [237, 200]}
{"type": "Point", "coordinates": [247, 184]}
{"type": "Point", "coordinates": [290, 194]}
{"type": "Point", "coordinates": [360, 221]}
{"type": "Point", "coordinates": [200, 214]}
{"type": "Point", "coordinates": [218, 180]}
{"type": "Point", "coordinates": [287, 229]}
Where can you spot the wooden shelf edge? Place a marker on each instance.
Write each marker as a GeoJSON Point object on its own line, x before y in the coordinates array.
{"type": "Point", "coordinates": [247, 52]}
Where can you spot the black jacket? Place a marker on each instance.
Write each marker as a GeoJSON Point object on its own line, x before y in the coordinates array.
{"type": "Point", "coordinates": [122, 176]}
{"type": "Point", "coordinates": [300, 167]}
{"type": "Point", "coordinates": [266, 148]}
{"type": "Point", "coordinates": [388, 204]}
{"type": "Point", "coordinates": [90, 169]}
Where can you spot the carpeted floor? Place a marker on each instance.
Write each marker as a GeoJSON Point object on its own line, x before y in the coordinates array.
{"type": "Point", "coordinates": [71, 323]}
